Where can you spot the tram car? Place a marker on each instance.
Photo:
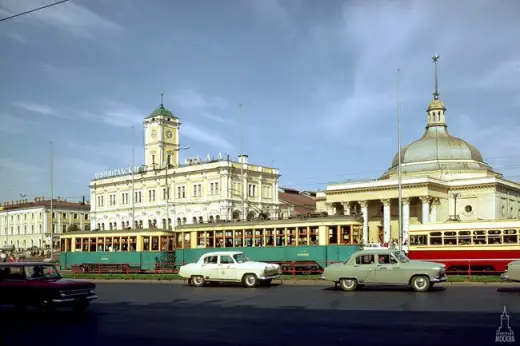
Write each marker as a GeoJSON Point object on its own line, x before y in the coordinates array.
{"type": "Point", "coordinates": [300, 245]}
{"type": "Point", "coordinates": [481, 246]}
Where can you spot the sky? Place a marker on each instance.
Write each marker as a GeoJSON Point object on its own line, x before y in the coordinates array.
{"type": "Point", "coordinates": [317, 81]}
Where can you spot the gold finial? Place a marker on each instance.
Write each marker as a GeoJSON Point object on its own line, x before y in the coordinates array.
{"type": "Point", "coordinates": [435, 58]}
{"type": "Point", "coordinates": [162, 95]}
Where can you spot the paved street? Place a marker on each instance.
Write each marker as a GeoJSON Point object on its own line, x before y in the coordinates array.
{"type": "Point", "coordinates": [153, 314]}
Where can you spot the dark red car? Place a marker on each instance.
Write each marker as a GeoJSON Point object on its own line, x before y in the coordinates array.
{"type": "Point", "coordinates": [41, 285]}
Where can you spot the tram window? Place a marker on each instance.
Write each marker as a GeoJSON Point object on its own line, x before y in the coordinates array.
{"type": "Point", "coordinates": [132, 244]}
{"type": "Point", "coordinates": [155, 243]}
{"type": "Point", "coordinates": [494, 237]}
{"type": "Point", "coordinates": [510, 236]}
{"type": "Point", "coordinates": [366, 259]}
{"type": "Point", "coordinates": [146, 244]}
{"type": "Point", "coordinates": [419, 239]}
{"type": "Point", "coordinates": [464, 238]}
{"type": "Point", "coordinates": [92, 245]}
{"type": "Point", "coordinates": [450, 238]}
{"type": "Point", "coordinates": [479, 237]}
{"type": "Point", "coordinates": [435, 238]}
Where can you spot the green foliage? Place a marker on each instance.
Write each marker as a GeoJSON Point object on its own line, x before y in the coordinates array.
{"type": "Point", "coordinates": [73, 228]}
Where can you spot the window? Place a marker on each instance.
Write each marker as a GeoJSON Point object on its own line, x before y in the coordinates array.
{"type": "Point", "coordinates": [169, 159]}
{"type": "Point", "coordinates": [99, 201]}
{"type": "Point", "coordinates": [151, 195]}
{"type": "Point", "coordinates": [124, 198]}
{"type": "Point", "coordinates": [64, 215]}
{"type": "Point", "coordinates": [181, 191]}
{"type": "Point", "coordinates": [468, 209]}
{"type": "Point", "coordinates": [197, 190]}
{"type": "Point", "coordinates": [366, 259]}
{"type": "Point", "coordinates": [214, 188]}
{"type": "Point", "coordinates": [76, 215]}
{"type": "Point", "coordinates": [226, 260]}
{"type": "Point", "coordinates": [138, 197]}
{"type": "Point", "coordinates": [211, 260]}
{"type": "Point", "coordinates": [153, 159]}
{"type": "Point", "coordinates": [64, 228]}
{"type": "Point", "coordinates": [112, 200]}
{"type": "Point", "coordinates": [251, 190]}
{"type": "Point", "coordinates": [166, 193]}
{"type": "Point", "coordinates": [237, 188]}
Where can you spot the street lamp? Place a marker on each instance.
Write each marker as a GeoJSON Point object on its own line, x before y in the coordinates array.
{"type": "Point", "coordinates": [167, 190]}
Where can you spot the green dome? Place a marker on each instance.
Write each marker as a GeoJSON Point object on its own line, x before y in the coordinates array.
{"type": "Point", "coordinates": [161, 111]}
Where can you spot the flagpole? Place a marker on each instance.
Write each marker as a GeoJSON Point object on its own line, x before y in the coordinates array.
{"type": "Point", "coordinates": [133, 174]}
{"type": "Point", "coordinates": [399, 177]}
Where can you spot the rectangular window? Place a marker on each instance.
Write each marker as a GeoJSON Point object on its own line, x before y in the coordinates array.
{"type": "Point", "coordinates": [251, 190]}
{"type": "Point", "coordinates": [181, 191]}
{"type": "Point", "coordinates": [151, 195]}
{"type": "Point", "coordinates": [197, 190]}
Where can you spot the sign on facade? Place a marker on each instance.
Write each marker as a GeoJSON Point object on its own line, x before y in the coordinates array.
{"type": "Point", "coordinates": [119, 171]}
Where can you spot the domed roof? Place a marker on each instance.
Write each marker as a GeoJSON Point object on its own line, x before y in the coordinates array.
{"type": "Point", "coordinates": [161, 111]}
{"type": "Point", "coordinates": [437, 149]}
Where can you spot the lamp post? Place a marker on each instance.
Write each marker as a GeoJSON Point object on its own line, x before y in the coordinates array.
{"type": "Point", "coordinates": [167, 189]}
{"type": "Point", "coordinates": [52, 197]}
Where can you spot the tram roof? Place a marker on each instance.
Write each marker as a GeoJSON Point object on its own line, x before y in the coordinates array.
{"type": "Point", "coordinates": [293, 222]}
{"type": "Point", "coordinates": [120, 232]}
{"type": "Point", "coordinates": [467, 224]}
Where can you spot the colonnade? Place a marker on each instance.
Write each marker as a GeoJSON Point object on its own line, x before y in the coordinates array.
{"type": "Point", "coordinates": [428, 213]}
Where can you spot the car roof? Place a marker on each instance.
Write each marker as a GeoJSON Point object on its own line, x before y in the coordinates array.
{"type": "Point", "coordinates": [372, 251]}
{"type": "Point", "coordinates": [23, 264]}
{"type": "Point", "coordinates": [222, 253]}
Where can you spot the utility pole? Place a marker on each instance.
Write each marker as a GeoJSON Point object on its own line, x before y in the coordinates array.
{"type": "Point", "coordinates": [243, 183]}
{"type": "Point", "coordinates": [133, 185]}
{"type": "Point", "coordinates": [52, 200]}
{"type": "Point", "coordinates": [399, 177]}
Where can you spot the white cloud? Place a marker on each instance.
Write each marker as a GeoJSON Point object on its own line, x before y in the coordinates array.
{"type": "Point", "coordinates": [39, 108]}
{"type": "Point", "coordinates": [77, 169]}
{"type": "Point", "coordinates": [11, 124]}
{"type": "Point", "coordinates": [70, 16]}
{"type": "Point", "coordinates": [506, 75]}
{"type": "Point", "coordinates": [207, 136]}
{"type": "Point", "coordinates": [16, 37]}
{"type": "Point", "coordinates": [193, 103]}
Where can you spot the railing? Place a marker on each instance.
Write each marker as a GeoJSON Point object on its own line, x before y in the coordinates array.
{"type": "Point", "coordinates": [302, 270]}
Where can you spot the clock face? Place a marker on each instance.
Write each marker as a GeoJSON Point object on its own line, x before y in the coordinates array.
{"type": "Point", "coordinates": [169, 134]}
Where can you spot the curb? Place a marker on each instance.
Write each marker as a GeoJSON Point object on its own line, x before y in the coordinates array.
{"type": "Point", "coordinates": [284, 282]}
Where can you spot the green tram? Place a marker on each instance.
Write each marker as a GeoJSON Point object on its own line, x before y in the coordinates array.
{"type": "Point", "coordinates": [301, 244]}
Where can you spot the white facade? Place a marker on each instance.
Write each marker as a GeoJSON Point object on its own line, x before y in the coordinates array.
{"type": "Point", "coordinates": [27, 224]}
{"type": "Point", "coordinates": [164, 193]}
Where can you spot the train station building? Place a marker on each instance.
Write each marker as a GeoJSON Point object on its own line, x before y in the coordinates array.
{"type": "Point", "coordinates": [164, 192]}
{"type": "Point", "coordinates": [444, 178]}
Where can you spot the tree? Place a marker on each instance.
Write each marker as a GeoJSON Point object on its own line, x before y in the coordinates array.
{"type": "Point", "coordinates": [73, 228]}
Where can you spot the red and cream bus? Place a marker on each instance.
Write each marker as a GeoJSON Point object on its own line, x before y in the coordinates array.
{"type": "Point", "coordinates": [475, 246]}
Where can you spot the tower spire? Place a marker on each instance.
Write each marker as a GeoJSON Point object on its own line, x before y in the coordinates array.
{"type": "Point", "coordinates": [435, 58]}
{"type": "Point", "coordinates": [162, 96]}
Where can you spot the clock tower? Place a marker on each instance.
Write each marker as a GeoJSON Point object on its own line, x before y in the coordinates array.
{"type": "Point", "coordinates": [161, 138]}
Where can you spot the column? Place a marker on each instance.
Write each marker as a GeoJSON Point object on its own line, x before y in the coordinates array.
{"type": "Point", "coordinates": [386, 220]}
{"type": "Point", "coordinates": [346, 207]}
{"type": "Point", "coordinates": [329, 207]}
{"type": "Point", "coordinates": [364, 212]}
{"type": "Point", "coordinates": [433, 214]}
{"type": "Point", "coordinates": [425, 208]}
{"type": "Point", "coordinates": [406, 218]}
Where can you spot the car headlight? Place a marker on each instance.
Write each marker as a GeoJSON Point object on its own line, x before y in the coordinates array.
{"type": "Point", "coordinates": [92, 291]}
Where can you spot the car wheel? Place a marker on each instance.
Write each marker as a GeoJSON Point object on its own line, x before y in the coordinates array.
{"type": "Point", "coordinates": [80, 307]}
{"type": "Point", "coordinates": [250, 280]}
{"type": "Point", "coordinates": [197, 281]}
{"type": "Point", "coordinates": [348, 284]}
{"type": "Point", "coordinates": [421, 283]}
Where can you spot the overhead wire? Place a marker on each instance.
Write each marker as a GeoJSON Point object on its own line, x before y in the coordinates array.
{"type": "Point", "coordinates": [33, 10]}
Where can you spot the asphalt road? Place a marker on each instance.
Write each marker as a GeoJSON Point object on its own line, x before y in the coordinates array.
{"type": "Point", "coordinates": [156, 314]}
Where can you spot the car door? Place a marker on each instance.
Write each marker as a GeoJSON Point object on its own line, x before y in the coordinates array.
{"type": "Point", "coordinates": [227, 270]}
{"type": "Point", "coordinates": [209, 267]}
{"type": "Point", "coordinates": [387, 269]}
{"type": "Point", "coordinates": [13, 286]}
{"type": "Point", "coordinates": [365, 268]}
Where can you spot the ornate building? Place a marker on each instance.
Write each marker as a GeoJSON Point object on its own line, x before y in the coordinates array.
{"type": "Point", "coordinates": [25, 224]}
{"type": "Point", "coordinates": [443, 178]}
{"type": "Point", "coordinates": [163, 193]}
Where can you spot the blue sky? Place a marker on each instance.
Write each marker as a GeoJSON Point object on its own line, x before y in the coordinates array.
{"type": "Point", "coordinates": [317, 80]}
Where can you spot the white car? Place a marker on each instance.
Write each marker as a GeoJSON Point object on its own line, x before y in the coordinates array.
{"type": "Point", "coordinates": [229, 266]}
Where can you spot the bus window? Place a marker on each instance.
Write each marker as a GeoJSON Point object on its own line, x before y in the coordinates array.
{"type": "Point", "coordinates": [494, 237]}
{"type": "Point", "coordinates": [436, 238]}
{"type": "Point", "coordinates": [464, 238]}
{"type": "Point", "coordinates": [421, 239]}
{"type": "Point", "coordinates": [510, 236]}
{"type": "Point", "coordinates": [450, 238]}
{"type": "Point", "coordinates": [479, 237]}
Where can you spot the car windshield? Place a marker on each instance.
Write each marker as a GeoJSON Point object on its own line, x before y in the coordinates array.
{"type": "Point", "coordinates": [401, 256]}
{"type": "Point", "coordinates": [42, 272]}
{"type": "Point", "coordinates": [241, 258]}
